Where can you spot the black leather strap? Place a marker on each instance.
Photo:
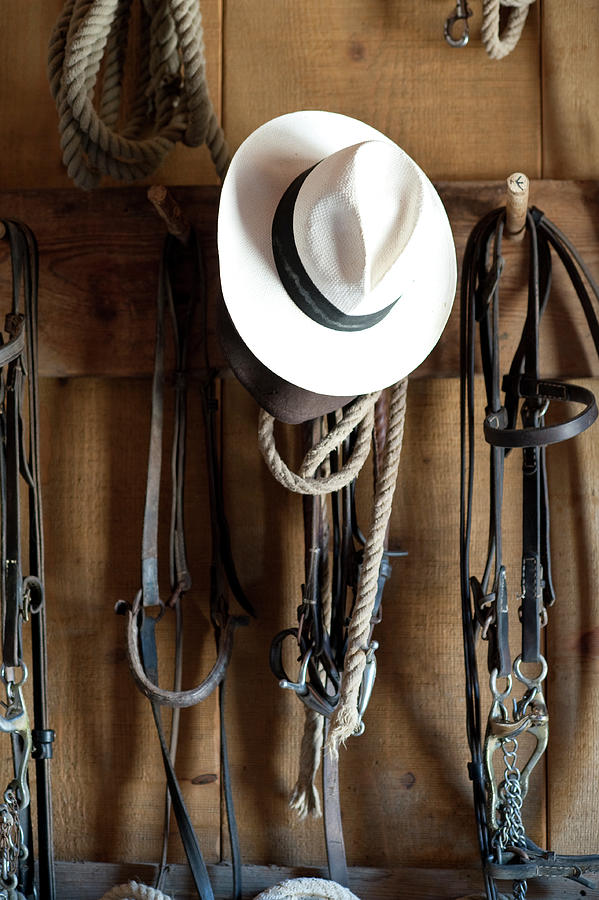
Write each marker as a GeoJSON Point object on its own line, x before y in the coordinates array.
{"type": "Point", "coordinates": [498, 433]}
{"type": "Point", "coordinates": [20, 461]}
{"type": "Point", "coordinates": [484, 600]}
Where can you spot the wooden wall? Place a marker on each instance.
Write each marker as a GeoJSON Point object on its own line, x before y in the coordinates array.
{"type": "Point", "coordinates": [406, 796]}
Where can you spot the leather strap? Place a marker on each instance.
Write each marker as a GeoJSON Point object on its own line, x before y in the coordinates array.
{"type": "Point", "coordinates": [141, 640]}
{"type": "Point", "coordinates": [20, 459]}
{"type": "Point", "coordinates": [499, 435]}
{"type": "Point", "coordinates": [484, 600]}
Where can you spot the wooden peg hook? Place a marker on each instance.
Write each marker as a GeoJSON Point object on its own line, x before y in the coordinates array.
{"type": "Point", "coordinates": [516, 205]}
{"type": "Point", "coordinates": [170, 212]}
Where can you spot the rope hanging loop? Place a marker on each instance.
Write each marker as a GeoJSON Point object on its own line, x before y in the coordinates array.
{"type": "Point", "coordinates": [133, 890]}
{"type": "Point", "coordinates": [86, 67]}
{"type": "Point", "coordinates": [307, 889]}
{"type": "Point", "coordinates": [499, 45]}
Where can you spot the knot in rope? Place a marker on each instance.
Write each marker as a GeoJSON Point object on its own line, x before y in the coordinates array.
{"type": "Point", "coordinates": [499, 45]}
{"type": "Point", "coordinates": [358, 414]}
{"type": "Point", "coordinates": [170, 99]}
{"type": "Point", "coordinates": [307, 889]}
{"type": "Point", "coordinates": [134, 891]}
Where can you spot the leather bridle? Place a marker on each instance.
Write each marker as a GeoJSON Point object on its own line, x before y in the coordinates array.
{"type": "Point", "coordinates": [181, 306]}
{"type": "Point", "coordinates": [23, 596]}
{"type": "Point", "coordinates": [321, 634]}
{"type": "Point", "coordinates": [507, 853]}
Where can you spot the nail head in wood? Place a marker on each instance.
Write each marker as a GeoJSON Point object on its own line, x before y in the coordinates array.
{"type": "Point", "coordinates": [516, 205]}
{"type": "Point", "coordinates": [169, 211]}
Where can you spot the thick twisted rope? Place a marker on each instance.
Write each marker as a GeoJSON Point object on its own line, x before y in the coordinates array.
{"type": "Point", "coordinates": [134, 891]}
{"type": "Point", "coordinates": [345, 719]}
{"type": "Point", "coordinates": [305, 798]}
{"type": "Point", "coordinates": [496, 45]}
{"type": "Point", "coordinates": [307, 889]}
{"type": "Point", "coordinates": [360, 413]}
{"type": "Point", "coordinates": [171, 101]}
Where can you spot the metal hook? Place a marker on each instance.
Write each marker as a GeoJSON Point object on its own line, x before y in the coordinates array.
{"type": "Point", "coordinates": [368, 679]}
{"type": "Point", "coordinates": [462, 14]}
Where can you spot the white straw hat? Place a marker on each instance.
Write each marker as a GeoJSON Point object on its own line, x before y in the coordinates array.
{"type": "Point", "coordinates": [337, 261]}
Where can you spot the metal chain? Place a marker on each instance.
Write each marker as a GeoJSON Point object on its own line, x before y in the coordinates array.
{"type": "Point", "coordinates": [11, 839]}
{"type": "Point", "coordinates": [511, 832]}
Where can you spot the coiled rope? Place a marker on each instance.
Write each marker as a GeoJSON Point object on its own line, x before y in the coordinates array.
{"type": "Point", "coordinates": [307, 889]}
{"type": "Point", "coordinates": [499, 45]}
{"type": "Point", "coordinates": [86, 63]}
{"type": "Point", "coordinates": [345, 719]}
{"type": "Point", "coordinates": [134, 891]}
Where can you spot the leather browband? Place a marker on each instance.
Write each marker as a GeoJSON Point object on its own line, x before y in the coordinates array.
{"type": "Point", "coordinates": [499, 435]}
{"type": "Point", "coordinates": [296, 280]}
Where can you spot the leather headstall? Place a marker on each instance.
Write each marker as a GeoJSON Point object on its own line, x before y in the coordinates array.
{"type": "Point", "coordinates": [182, 265]}
{"type": "Point", "coordinates": [328, 598]}
{"type": "Point", "coordinates": [23, 598]}
{"type": "Point", "coordinates": [507, 852]}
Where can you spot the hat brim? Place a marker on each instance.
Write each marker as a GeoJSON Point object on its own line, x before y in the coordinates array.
{"type": "Point", "coordinates": [285, 401]}
{"type": "Point", "coordinates": [275, 330]}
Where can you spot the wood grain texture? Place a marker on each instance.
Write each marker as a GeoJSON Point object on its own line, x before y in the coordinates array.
{"type": "Point", "coordinates": [573, 645]}
{"type": "Point", "coordinates": [86, 881]}
{"type": "Point", "coordinates": [107, 773]}
{"type": "Point", "coordinates": [570, 74]}
{"type": "Point", "coordinates": [99, 263]}
{"type": "Point", "coordinates": [405, 779]}
{"type": "Point", "coordinates": [387, 64]}
{"type": "Point", "coordinates": [29, 139]}
{"type": "Point", "coordinates": [99, 257]}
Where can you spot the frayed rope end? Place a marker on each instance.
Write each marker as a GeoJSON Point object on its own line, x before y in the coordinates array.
{"type": "Point", "coordinates": [305, 802]}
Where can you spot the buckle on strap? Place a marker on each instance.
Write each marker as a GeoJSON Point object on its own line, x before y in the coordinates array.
{"type": "Point", "coordinates": [498, 435]}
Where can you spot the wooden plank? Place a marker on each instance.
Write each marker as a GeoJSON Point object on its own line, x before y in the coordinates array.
{"type": "Point", "coordinates": [85, 881]}
{"type": "Point", "coordinates": [406, 776]}
{"type": "Point", "coordinates": [573, 644]}
{"type": "Point", "coordinates": [453, 110]}
{"type": "Point", "coordinates": [107, 773]}
{"type": "Point", "coordinates": [100, 257]}
{"type": "Point", "coordinates": [29, 140]}
{"type": "Point", "coordinates": [99, 268]}
{"type": "Point", "coordinates": [570, 75]}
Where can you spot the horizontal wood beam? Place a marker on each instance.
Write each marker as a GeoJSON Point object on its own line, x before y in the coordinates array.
{"type": "Point", "coordinates": [99, 258]}
{"type": "Point", "coordinates": [90, 880]}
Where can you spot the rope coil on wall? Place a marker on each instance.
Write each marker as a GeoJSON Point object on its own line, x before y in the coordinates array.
{"type": "Point", "coordinates": [87, 53]}
{"type": "Point", "coordinates": [499, 45]}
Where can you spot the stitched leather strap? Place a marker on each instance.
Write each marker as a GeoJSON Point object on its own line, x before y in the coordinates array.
{"type": "Point", "coordinates": [495, 424]}
{"type": "Point", "coordinates": [484, 600]}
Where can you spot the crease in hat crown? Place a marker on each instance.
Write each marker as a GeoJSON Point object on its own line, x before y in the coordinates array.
{"type": "Point", "coordinates": [354, 216]}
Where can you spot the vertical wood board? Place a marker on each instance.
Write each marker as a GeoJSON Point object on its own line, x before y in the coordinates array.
{"type": "Point", "coordinates": [405, 779]}
{"type": "Point", "coordinates": [570, 77]}
{"type": "Point", "coordinates": [29, 138]}
{"type": "Point", "coordinates": [107, 773]}
{"type": "Point", "coordinates": [573, 636]}
{"type": "Point", "coordinates": [389, 65]}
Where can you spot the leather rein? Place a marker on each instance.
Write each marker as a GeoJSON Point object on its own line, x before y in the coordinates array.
{"type": "Point", "coordinates": [507, 852]}
{"type": "Point", "coordinates": [23, 598]}
{"type": "Point", "coordinates": [181, 307]}
{"type": "Point", "coordinates": [328, 597]}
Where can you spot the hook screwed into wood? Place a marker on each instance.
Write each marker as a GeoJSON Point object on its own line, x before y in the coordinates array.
{"type": "Point", "coordinates": [516, 206]}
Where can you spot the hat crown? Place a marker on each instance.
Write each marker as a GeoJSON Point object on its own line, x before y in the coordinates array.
{"type": "Point", "coordinates": [354, 216]}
